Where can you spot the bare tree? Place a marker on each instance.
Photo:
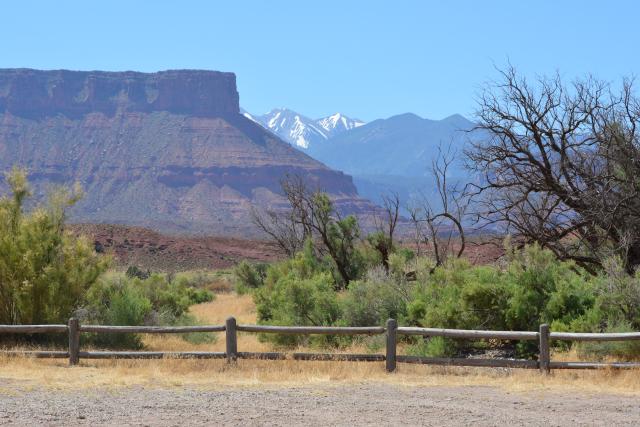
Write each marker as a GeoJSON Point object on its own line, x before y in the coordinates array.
{"type": "Point", "coordinates": [281, 227]}
{"type": "Point", "coordinates": [560, 166]}
{"type": "Point", "coordinates": [385, 223]}
{"type": "Point", "coordinates": [289, 227]}
{"type": "Point", "coordinates": [441, 224]}
{"type": "Point", "coordinates": [311, 215]}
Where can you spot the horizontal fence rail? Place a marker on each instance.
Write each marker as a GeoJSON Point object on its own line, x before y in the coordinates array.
{"type": "Point", "coordinates": [469, 334]}
{"type": "Point", "coordinates": [32, 329]}
{"type": "Point", "coordinates": [580, 336]}
{"type": "Point", "coordinates": [544, 363]}
{"type": "Point", "coordinates": [100, 329]}
{"type": "Point", "coordinates": [311, 330]}
{"type": "Point", "coordinates": [151, 355]}
{"type": "Point", "coordinates": [489, 363]}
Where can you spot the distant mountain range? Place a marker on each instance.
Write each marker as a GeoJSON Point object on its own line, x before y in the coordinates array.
{"type": "Point", "coordinates": [301, 131]}
{"type": "Point", "coordinates": [400, 145]}
{"type": "Point", "coordinates": [385, 155]}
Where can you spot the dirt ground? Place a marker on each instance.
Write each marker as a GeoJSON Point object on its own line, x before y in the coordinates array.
{"type": "Point", "coordinates": [148, 249]}
{"type": "Point", "coordinates": [355, 405]}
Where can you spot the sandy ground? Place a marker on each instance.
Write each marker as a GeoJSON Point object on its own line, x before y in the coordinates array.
{"type": "Point", "coordinates": [357, 404]}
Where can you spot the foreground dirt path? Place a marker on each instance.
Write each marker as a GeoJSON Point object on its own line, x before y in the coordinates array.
{"type": "Point", "coordinates": [366, 404]}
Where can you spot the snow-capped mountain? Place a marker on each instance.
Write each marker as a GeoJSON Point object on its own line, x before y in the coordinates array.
{"type": "Point", "coordinates": [338, 123]}
{"type": "Point", "coordinates": [301, 131]}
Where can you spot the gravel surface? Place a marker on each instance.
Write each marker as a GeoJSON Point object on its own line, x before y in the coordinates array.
{"type": "Point", "coordinates": [354, 405]}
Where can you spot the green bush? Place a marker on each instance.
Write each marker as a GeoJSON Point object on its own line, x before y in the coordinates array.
{"type": "Point", "coordinates": [295, 301]}
{"type": "Point", "coordinates": [374, 299]}
{"type": "Point", "coordinates": [199, 296]}
{"type": "Point", "coordinates": [297, 292]}
{"type": "Point", "coordinates": [45, 271]}
{"type": "Point", "coordinates": [113, 300]}
{"type": "Point", "coordinates": [194, 337]}
{"type": "Point", "coordinates": [249, 276]}
{"type": "Point", "coordinates": [433, 347]}
{"type": "Point", "coordinates": [117, 299]}
{"type": "Point", "coordinates": [535, 288]}
{"type": "Point", "coordinates": [135, 271]}
{"type": "Point", "coordinates": [618, 296]}
{"type": "Point", "coordinates": [616, 350]}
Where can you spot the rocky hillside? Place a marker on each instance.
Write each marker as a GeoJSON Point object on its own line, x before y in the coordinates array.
{"type": "Point", "coordinates": [167, 150]}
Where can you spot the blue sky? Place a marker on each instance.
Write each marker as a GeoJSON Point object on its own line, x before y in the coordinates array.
{"type": "Point", "coordinates": [367, 59]}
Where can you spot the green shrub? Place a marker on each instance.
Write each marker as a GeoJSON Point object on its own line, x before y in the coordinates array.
{"type": "Point", "coordinates": [196, 278]}
{"type": "Point", "coordinates": [249, 276]}
{"type": "Point", "coordinates": [199, 296]}
{"type": "Point", "coordinates": [433, 347]}
{"type": "Point", "coordinates": [117, 299]}
{"type": "Point", "coordinates": [45, 271]}
{"type": "Point", "coordinates": [531, 288]}
{"type": "Point", "coordinates": [135, 271]}
{"type": "Point", "coordinates": [114, 301]}
{"type": "Point", "coordinates": [373, 300]}
{"type": "Point", "coordinates": [618, 296]}
{"type": "Point", "coordinates": [295, 300]}
{"type": "Point", "coordinates": [535, 288]}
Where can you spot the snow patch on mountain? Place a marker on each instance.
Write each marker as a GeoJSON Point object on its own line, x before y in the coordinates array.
{"type": "Point", "coordinates": [338, 123]}
{"type": "Point", "coordinates": [301, 131]}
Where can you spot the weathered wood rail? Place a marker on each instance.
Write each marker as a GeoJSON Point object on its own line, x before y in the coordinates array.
{"type": "Point", "coordinates": [544, 363]}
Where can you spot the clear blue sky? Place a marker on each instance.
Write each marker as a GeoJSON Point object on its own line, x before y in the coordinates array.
{"type": "Point", "coordinates": [368, 59]}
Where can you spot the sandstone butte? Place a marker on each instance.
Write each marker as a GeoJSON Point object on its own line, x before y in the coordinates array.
{"type": "Point", "coordinates": [167, 150]}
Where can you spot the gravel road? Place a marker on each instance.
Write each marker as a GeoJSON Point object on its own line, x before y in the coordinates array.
{"type": "Point", "coordinates": [354, 405]}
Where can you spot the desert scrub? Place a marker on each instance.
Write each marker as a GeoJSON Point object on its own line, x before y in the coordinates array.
{"type": "Point", "coordinates": [117, 299]}
{"type": "Point", "coordinates": [374, 299]}
{"type": "Point", "coordinates": [531, 288]}
{"type": "Point", "coordinates": [249, 276]}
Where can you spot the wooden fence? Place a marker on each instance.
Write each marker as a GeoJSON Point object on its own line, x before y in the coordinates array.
{"type": "Point", "coordinates": [391, 358]}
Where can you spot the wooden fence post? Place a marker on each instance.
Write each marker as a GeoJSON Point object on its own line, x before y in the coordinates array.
{"type": "Point", "coordinates": [232, 339]}
{"type": "Point", "coordinates": [544, 357]}
{"type": "Point", "coordinates": [392, 327]}
{"type": "Point", "coordinates": [74, 341]}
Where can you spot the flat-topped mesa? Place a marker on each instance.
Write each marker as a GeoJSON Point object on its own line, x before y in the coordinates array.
{"type": "Point", "coordinates": [35, 93]}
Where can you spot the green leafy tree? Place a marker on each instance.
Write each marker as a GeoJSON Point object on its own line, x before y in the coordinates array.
{"type": "Point", "coordinates": [45, 270]}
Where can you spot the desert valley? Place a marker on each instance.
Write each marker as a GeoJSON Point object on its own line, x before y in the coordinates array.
{"type": "Point", "coordinates": [319, 214]}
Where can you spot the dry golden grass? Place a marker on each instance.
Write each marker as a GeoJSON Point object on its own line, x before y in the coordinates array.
{"type": "Point", "coordinates": [211, 374]}
{"type": "Point", "coordinates": [214, 313]}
